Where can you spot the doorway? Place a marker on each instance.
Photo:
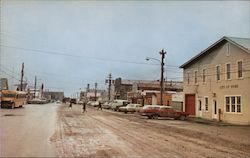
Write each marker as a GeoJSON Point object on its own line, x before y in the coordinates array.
{"type": "Point", "coordinates": [215, 110]}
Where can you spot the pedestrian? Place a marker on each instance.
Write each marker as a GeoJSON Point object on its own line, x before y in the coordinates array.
{"type": "Point", "coordinates": [84, 107]}
{"type": "Point", "coordinates": [70, 104]}
{"type": "Point", "coordinates": [100, 105]}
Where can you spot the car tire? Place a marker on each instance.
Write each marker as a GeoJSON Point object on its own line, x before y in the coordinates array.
{"type": "Point", "coordinates": [182, 117]}
{"type": "Point", "coordinates": [155, 116]}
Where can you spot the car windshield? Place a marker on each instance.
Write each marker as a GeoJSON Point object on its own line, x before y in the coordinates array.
{"type": "Point", "coordinates": [151, 107]}
{"type": "Point", "coordinates": [130, 105]}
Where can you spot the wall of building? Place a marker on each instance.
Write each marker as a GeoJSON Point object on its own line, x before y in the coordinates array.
{"type": "Point", "coordinates": [218, 90]}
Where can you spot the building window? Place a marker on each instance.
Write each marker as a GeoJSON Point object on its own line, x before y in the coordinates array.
{"type": "Point", "coordinates": [228, 71]}
{"type": "Point", "coordinates": [195, 77]}
{"type": "Point", "coordinates": [204, 75]}
{"type": "Point", "coordinates": [240, 69]}
{"type": "Point", "coordinates": [227, 104]}
{"type": "Point", "coordinates": [206, 103]}
{"type": "Point", "coordinates": [227, 49]}
{"type": "Point", "coordinates": [199, 105]}
{"type": "Point", "coordinates": [233, 104]}
{"type": "Point", "coordinates": [217, 73]}
{"type": "Point", "coordinates": [239, 104]}
{"type": "Point", "coordinates": [188, 80]}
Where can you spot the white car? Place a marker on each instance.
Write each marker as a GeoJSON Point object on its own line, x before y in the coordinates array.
{"type": "Point", "coordinates": [130, 108]}
{"type": "Point", "coordinates": [119, 103]}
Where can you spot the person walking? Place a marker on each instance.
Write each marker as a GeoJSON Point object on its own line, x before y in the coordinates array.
{"type": "Point", "coordinates": [84, 107]}
{"type": "Point", "coordinates": [99, 106]}
{"type": "Point", "coordinates": [70, 104]}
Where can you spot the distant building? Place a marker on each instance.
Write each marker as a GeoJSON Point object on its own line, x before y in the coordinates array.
{"type": "Point", "coordinates": [122, 87]}
{"type": "Point", "coordinates": [51, 95]}
{"type": "Point", "coordinates": [4, 84]}
{"type": "Point", "coordinates": [90, 95]}
{"type": "Point", "coordinates": [217, 81]}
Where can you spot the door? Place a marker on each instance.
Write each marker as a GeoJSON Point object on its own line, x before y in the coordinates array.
{"type": "Point", "coordinates": [215, 110]}
{"type": "Point", "coordinates": [199, 108]}
{"type": "Point", "coordinates": [190, 104]}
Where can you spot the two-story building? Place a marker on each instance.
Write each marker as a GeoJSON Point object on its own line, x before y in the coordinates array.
{"type": "Point", "coordinates": [217, 82]}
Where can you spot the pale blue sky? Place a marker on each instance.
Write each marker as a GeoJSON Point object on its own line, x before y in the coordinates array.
{"type": "Point", "coordinates": [100, 37]}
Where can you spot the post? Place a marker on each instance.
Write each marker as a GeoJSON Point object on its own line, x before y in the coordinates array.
{"type": "Point", "coordinates": [21, 85]}
{"type": "Point", "coordinates": [35, 88]}
{"type": "Point", "coordinates": [95, 90]}
{"type": "Point", "coordinates": [110, 77]}
{"type": "Point", "coordinates": [162, 52]}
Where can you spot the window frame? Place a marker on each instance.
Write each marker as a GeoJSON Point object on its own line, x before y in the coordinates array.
{"type": "Point", "coordinates": [236, 104]}
{"type": "Point", "coordinates": [237, 73]}
{"type": "Point", "coordinates": [228, 51]}
{"type": "Point", "coordinates": [216, 73]}
{"type": "Point", "coordinates": [188, 77]}
{"type": "Point", "coordinates": [229, 71]}
{"type": "Point", "coordinates": [204, 75]}
{"type": "Point", "coordinates": [206, 105]}
{"type": "Point", "coordinates": [196, 82]}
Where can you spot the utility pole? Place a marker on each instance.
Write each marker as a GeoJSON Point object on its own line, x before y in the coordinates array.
{"type": "Point", "coordinates": [42, 90]}
{"type": "Point", "coordinates": [95, 90]}
{"type": "Point", "coordinates": [87, 89]}
{"type": "Point", "coordinates": [162, 53]}
{"type": "Point", "coordinates": [21, 88]}
{"type": "Point", "coordinates": [109, 81]}
{"type": "Point", "coordinates": [35, 88]}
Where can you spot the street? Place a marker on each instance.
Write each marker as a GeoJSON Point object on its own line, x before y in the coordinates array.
{"type": "Point", "coordinates": [54, 130]}
{"type": "Point", "coordinates": [25, 132]}
{"type": "Point", "coordinates": [110, 134]}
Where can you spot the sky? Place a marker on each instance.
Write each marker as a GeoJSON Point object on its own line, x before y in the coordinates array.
{"type": "Point", "coordinates": [69, 44]}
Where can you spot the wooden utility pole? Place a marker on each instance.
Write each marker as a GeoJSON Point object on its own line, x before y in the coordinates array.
{"type": "Point", "coordinates": [162, 53]}
{"type": "Point", "coordinates": [21, 85]}
{"type": "Point", "coordinates": [109, 88]}
{"type": "Point", "coordinates": [35, 88]}
{"type": "Point", "coordinates": [95, 90]}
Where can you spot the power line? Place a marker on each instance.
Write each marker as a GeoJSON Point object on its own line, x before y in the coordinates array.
{"type": "Point", "coordinates": [37, 51]}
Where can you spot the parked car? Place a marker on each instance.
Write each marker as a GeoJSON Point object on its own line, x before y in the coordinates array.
{"type": "Point", "coordinates": [130, 108]}
{"type": "Point", "coordinates": [149, 110]}
{"type": "Point", "coordinates": [119, 103]}
{"type": "Point", "coordinates": [73, 101]}
{"type": "Point", "coordinates": [167, 111]}
{"type": "Point", "coordinates": [106, 105]}
{"type": "Point", "coordinates": [94, 103]}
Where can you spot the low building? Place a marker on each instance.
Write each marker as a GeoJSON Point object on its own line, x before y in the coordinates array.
{"type": "Point", "coordinates": [122, 87]}
{"type": "Point", "coordinates": [217, 82]}
{"type": "Point", "coordinates": [51, 95]}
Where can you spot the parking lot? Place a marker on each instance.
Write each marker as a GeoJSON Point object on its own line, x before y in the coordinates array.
{"type": "Point", "coordinates": [106, 133]}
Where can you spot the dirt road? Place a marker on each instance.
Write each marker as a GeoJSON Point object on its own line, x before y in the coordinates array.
{"type": "Point", "coordinates": [112, 134]}
{"type": "Point", "coordinates": [26, 132]}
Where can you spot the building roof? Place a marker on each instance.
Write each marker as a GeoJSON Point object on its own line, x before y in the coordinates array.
{"type": "Point", "coordinates": [243, 43]}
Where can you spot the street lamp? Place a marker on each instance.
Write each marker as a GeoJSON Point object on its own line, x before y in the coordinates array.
{"type": "Point", "coordinates": [162, 53]}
